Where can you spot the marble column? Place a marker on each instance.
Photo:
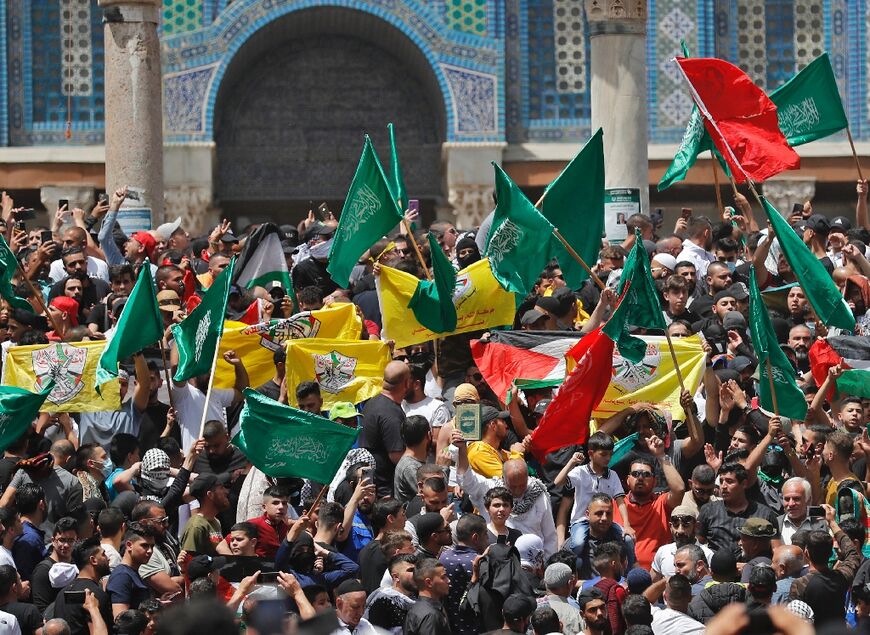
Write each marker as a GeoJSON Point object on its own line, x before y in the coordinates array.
{"type": "Point", "coordinates": [617, 30]}
{"type": "Point", "coordinates": [133, 93]}
{"type": "Point", "coordinates": [470, 181]}
{"type": "Point", "coordinates": [784, 191]}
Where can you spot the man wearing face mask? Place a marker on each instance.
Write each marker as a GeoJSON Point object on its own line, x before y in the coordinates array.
{"type": "Point", "coordinates": [467, 252]}
{"type": "Point", "coordinates": [94, 467]}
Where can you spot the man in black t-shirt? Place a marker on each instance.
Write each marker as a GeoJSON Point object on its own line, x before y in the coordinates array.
{"type": "Point", "coordinates": [28, 616]}
{"type": "Point", "coordinates": [93, 564]}
{"type": "Point", "coordinates": [272, 388]}
{"type": "Point", "coordinates": [382, 420]}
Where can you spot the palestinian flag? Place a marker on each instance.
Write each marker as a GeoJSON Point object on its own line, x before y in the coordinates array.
{"type": "Point", "coordinates": [853, 354]}
{"type": "Point", "coordinates": [262, 260]}
{"type": "Point", "coordinates": [528, 355]}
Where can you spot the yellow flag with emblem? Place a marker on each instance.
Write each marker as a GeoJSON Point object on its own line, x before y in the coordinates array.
{"type": "Point", "coordinates": [73, 368]}
{"type": "Point", "coordinates": [346, 370]}
{"type": "Point", "coordinates": [654, 379]}
{"type": "Point", "coordinates": [480, 301]}
{"type": "Point", "coordinates": [255, 344]}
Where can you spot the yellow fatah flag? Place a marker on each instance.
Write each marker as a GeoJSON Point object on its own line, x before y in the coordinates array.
{"type": "Point", "coordinates": [654, 379]}
{"type": "Point", "coordinates": [346, 370]}
{"type": "Point", "coordinates": [256, 344]}
{"type": "Point", "coordinates": [480, 302]}
{"type": "Point", "coordinates": [72, 366]}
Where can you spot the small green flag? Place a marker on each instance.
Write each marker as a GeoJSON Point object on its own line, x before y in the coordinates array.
{"type": "Point", "coordinates": [140, 325]}
{"type": "Point", "coordinates": [808, 105]}
{"type": "Point", "coordinates": [8, 266]}
{"type": "Point", "coordinates": [397, 182]}
{"type": "Point", "coordinates": [432, 302]}
{"type": "Point", "coordinates": [817, 285]}
{"type": "Point", "coordinates": [520, 242]}
{"type": "Point", "coordinates": [638, 306]}
{"type": "Point", "coordinates": [282, 441]}
{"type": "Point", "coordinates": [574, 204]}
{"type": "Point", "coordinates": [18, 409]}
{"type": "Point", "coordinates": [370, 212]}
{"type": "Point", "coordinates": [789, 398]}
{"type": "Point", "coordinates": [198, 335]}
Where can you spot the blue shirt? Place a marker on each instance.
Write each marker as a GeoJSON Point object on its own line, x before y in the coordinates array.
{"type": "Point", "coordinates": [360, 535]}
{"type": "Point", "coordinates": [29, 549]}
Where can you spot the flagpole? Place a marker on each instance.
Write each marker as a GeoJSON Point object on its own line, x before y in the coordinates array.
{"type": "Point", "coordinates": [419, 253]}
{"type": "Point", "coordinates": [217, 349]}
{"type": "Point", "coordinates": [38, 295]}
{"type": "Point", "coordinates": [166, 373]}
{"type": "Point", "coordinates": [674, 358]}
{"type": "Point", "coordinates": [716, 181]}
{"type": "Point", "coordinates": [854, 154]}
{"type": "Point", "coordinates": [570, 249]}
{"type": "Point", "coordinates": [772, 390]}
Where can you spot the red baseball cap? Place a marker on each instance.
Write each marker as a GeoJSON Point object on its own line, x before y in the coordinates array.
{"type": "Point", "coordinates": [146, 240]}
{"type": "Point", "coordinates": [68, 306]}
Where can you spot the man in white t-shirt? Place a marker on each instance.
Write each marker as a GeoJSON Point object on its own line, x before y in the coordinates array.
{"type": "Point", "coordinates": [684, 520]}
{"type": "Point", "coordinates": [189, 399]}
{"type": "Point", "coordinates": [416, 402]}
{"type": "Point", "coordinates": [9, 624]}
{"type": "Point", "coordinates": [77, 237]}
{"type": "Point", "coordinates": [673, 620]}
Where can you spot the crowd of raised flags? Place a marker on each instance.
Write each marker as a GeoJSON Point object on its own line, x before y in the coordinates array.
{"type": "Point", "coordinates": [752, 136]}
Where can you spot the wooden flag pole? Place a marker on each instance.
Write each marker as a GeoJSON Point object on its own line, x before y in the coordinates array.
{"type": "Point", "coordinates": [716, 182]}
{"type": "Point", "coordinates": [166, 374]}
{"type": "Point", "coordinates": [217, 348]}
{"type": "Point", "coordinates": [854, 154]}
{"type": "Point", "coordinates": [772, 390]}
{"type": "Point", "coordinates": [570, 249]}
{"type": "Point", "coordinates": [577, 257]}
{"type": "Point", "coordinates": [674, 358]}
{"type": "Point", "coordinates": [419, 253]}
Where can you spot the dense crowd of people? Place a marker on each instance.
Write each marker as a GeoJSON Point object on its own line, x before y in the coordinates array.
{"type": "Point", "coordinates": [733, 519]}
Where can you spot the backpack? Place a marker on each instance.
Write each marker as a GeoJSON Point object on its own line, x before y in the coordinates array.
{"type": "Point", "coordinates": [501, 574]}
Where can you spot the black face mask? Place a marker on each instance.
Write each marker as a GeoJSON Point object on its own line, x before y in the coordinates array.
{"type": "Point", "coordinates": [468, 260]}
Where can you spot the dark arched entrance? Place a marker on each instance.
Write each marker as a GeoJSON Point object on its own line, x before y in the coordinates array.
{"type": "Point", "coordinates": [297, 99]}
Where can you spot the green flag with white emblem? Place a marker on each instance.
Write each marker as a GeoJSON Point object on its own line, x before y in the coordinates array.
{"type": "Point", "coordinates": [370, 212]}
{"type": "Point", "coordinates": [198, 335]}
{"type": "Point", "coordinates": [8, 266]}
{"type": "Point", "coordinates": [521, 241]}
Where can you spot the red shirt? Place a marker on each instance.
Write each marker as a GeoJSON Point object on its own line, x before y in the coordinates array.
{"type": "Point", "coordinates": [650, 523]}
{"type": "Point", "coordinates": [270, 536]}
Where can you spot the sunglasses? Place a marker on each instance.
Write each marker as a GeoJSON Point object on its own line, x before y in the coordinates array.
{"type": "Point", "coordinates": [684, 521]}
{"type": "Point", "coordinates": [401, 358]}
{"type": "Point", "coordinates": [642, 474]}
{"type": "Point", "coordinates": [697, 491]}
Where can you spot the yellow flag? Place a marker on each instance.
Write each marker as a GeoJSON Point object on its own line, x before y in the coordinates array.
{"type": "Point", "coordinates": [654, 379]}
{"type": "Point", "coordinates": [346, 370]}
{"type": "Point", "coordinates": [256, 344]}
{"type": "Point", "coordinates": [479, 299]}
{"type": "Point", "coordinates": [72, 366]}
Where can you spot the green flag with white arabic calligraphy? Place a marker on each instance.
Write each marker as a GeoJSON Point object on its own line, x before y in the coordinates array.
{"type": "Point", "coordinates": [282, 441]}
{"type": "Point", "coordinates": [199, 334]}
{"type": "Point", "coordinates": [8, 266]}
{"type": "Point", "coordinates": [789, 398]}
{"type": "Point", "coordinates": [521, 241]}
{"type": "Point", "coordinates": [370, 212]}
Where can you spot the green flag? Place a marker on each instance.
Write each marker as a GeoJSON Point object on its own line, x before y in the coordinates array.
{"type": "Point", "coordinates": [199, 334]}
{"type": "Point", "coordinates": [815, 282]}
{"type": "Point", "coordinates": [638, 306]}
{"type": "Point", "coordinates": [18, 409]}
{"type": "Point", "coordinates": [8, 266]}
{"type": "Point", "coordinates": [789, 398]}
{"type": "Point", "coordinates": [370, 212]}
{"type": "Point", "coordinates": [140, 325]}
{"type": "Point", "coordinates": [574, 204]}
{"type": "Point", "coordinates": [432, 302]}
{"type": "Point", "coordinates": [808, 105]}
{"type": "Point", "coordinates": [520, 242]}
{"type": "Point", "coordinates": [397, 182]}
{"type": "Point", "coordinates": [282, 441]}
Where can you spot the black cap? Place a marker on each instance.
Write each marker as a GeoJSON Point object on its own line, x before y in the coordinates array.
{"type": "Point", "coordinates": [488, 413]}
{"type": "Point", "coordinates": [723, 563]}
{"type": "Point", "coordinates": [739, 291]}
{"type": "Point", "coordinates": [587, 595]}
{"type": "Point", "coordinates": [204, 483]}
{"type": "Point", "coordinates": [819, 224]}
{"type": "Point", "coordinates": [725, 293]}
{"type": "Point", "coordinates": [349, 586]}
{"type": "Point", "coordinates": [550, 304]}
{"type": "Point", "coordinates": [229, 237]}
{"type": "Point", "coordinates": [841, 224]}
{"type": "Point", "coordinates": [201, 566]}
{"type": "Point", "coordinates": [518, 607]}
